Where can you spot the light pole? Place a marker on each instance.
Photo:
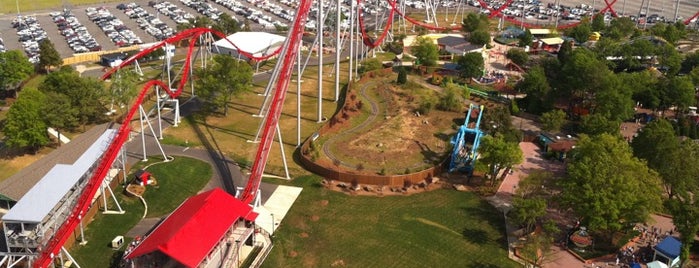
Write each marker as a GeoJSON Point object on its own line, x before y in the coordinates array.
{"type": "Point", "coordinates": [237, 253]}
{"type": "Point", "coordinates": [272, 233]}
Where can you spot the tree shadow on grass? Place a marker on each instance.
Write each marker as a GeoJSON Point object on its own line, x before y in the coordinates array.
{"type": "Point", "coordinates": [475, 236]}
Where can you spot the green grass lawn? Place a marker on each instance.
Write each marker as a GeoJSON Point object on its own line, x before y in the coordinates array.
{"type": "Point", "coordinates": [441, 228]}
{"type": "Point", "coordinates": [10, 6]}
{"type": "Point", "coordinates": [177, 181]}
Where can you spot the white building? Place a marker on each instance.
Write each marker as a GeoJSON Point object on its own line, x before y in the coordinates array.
{"type": "Point", "coordinates": [259, 44]}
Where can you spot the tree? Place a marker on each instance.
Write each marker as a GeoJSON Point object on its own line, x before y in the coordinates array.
{"type": "Point", "coordinates": [48, 57]}
{"type": "Point", "coordinates": [226, 24]}
{"type": "Point", "coordinates": [552, 121]}
{"type": "Point", "coordinates": [402, 76]}
{"type": "Point", "coordinates": [526, 39]}
{"type": "Point", "coordinates": [565, 52]}
{"type": "Point", "coordinates": [84, 93]}
{"type": "Point", "coordinates": [425, 51]}
{"type": "Point", "coordinates": [607, 186]}
{"type": "Point", "coordinates": [225, 78]}
{"type": "Point", "coordinates": [14, 68]}
{"type": "Point", "coordinates": [581, 32]}
{"type": "Point", "coordinates": [690, 61]}
{"type": "Point", "coordinates": [123, 88]}
{"type": "Point", "coordinates": [24, 125]}
{"type": "Point", "coordinates": [517, 56]}
{"type": "Point", "coordinates": [658, 146]}
{"type": "Point", "coordinates": [598, 23]}
{"type": "Point", "coordinates": [536, 86]}
{"type": "Point", "coordinates": [676, 91]}
{"type": "Point", "coordinates": [596, 124]}
{"type": "Point", "coordinates": [471, 65]}
{"type": "Point", "coordinates": [451, 99]}
{"type": "Point", "coordinates": [669, 59]}
{"type": "Point", "coordinates": [498, 154]}
{"type": "Point", "coordinates": [527, 211]}
{"type": "Point", "coordinates": [622, 26]}
{"type": "Point", "coordinates": [498, 121]}
{"type": "Point", "coordinates": [643, 85]}
{"type": "Point", "coordinates": [479, 37]}
{"type": "Point", "coordinates": [474, 22]}
{"type": "Point", "coordinates": [59, 113]}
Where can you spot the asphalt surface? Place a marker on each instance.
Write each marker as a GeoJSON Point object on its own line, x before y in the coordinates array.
{"type": "Point", "coordinates": [8, 34]}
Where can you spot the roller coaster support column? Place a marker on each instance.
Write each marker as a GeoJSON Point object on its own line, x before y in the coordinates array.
{"type": "Point", "coordinates": [82, 233]}
{"type": "Point", "coordinates": [298, 100]}
{"type": "Point", "coordinates": [338, 50]}
{"type": "Point", "coordinates": [353, 6]}
{"type": "Point", "coordinates": [477, 141]}
{"type": "Point", "coordinates": [63, 249]}
{"type": "Point", "coordinates": [320, 31]}
{"type": "Point", "coordinates": [281, 146]}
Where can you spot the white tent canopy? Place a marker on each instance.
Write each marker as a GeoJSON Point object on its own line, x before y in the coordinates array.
{"type": "Point", "coordinates": [256, 43]}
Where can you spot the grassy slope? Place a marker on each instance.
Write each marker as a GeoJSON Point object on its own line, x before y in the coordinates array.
{"type": "Point", "coordinates": [442, 228]}
{"type": "Point", "coordinates": [177, 180]}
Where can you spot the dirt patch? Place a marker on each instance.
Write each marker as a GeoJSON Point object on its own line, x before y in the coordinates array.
{"type": "Point", "coordinates": [378, 124]}
{"type": "Point", "coordinates": [293, 254]}
{"type": "Point", "coordinates": [324, 202]}
{"type": "Point", "coordinates": [303, 235]}
{"type": "Point", "coordinates": [315, 218]}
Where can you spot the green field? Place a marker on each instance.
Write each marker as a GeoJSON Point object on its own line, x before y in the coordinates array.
{"type": "Point", "coordinates": [177, 180]}
{"type": "Point", "coordinates": [26, 6]}
{"type": "Point", "coordinates": [441, 228]}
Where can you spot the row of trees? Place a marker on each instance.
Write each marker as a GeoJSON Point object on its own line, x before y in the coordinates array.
{"type": "Point", "coordinates": [64, 101]}
{"type": "Point", "coordinates": [15, 67]}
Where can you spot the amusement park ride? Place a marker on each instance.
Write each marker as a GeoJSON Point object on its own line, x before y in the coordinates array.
{"type": "Point", "coordinates": [466, 141]}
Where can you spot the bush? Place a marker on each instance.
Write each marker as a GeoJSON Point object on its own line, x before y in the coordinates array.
{"type": "Point", "coordinates": [450, 100]}
{"type": "Point", "coordinates": [369, 65]}
{"type": "Point", "coordinates": [402, 76]}
{"type": "Point", "coordinates": [426, 105]}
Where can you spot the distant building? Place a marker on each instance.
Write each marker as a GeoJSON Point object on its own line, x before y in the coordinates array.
{"type": "Point", "coordinates": [457, 45]}
{"type": "Point", "coordinates": [259, 44]}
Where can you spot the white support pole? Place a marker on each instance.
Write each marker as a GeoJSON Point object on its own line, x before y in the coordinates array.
{"type": "Point", "coordinates": [165, 158]}
{"type": "Point", "coordinates": [281, 147]}
{"type": "Point", "coordinates": [82, 232]}
{"type": "Point", "coordinates": [298, 98]}
{"type": "Point", "coordinates": [338, 50]}
{"type": "Point", "coordinates": [157, 107]}
{"type": "Point", "coordinates": [177, 113]}
{"type": "Point", "coordinates": [16, 262]}
{"type": "Point", "coordinates": [143, 131]}
{"type": "Point", "coordinates": [121, 211]}
{"type": "Point", "coordinates": [320, 31]}
{"type": "Point", "coordinates": [123, 163]}
{"type": "Point", "coordinates": [104, 197]}
{"type": "Point", "coordinates": [351, 40]}
{"type": "Point", "coordinates": [70, 257]}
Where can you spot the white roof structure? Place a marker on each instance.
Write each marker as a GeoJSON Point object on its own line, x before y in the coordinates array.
{"type": "Point", "coordinates": [552, 41]}
{"type": "Point", "coordinates": [256, 43]}
{"type": "Point", "coordinates": [48, 192]}
{"type": "Point", "coordinates": [540, 31]}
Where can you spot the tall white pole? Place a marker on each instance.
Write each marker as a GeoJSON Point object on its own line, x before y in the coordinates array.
{"type": "Point", "coordinates": [338, 49]}
{"type": "Point", "coordinates": [298, 98]}
{"type": "Point", "coordinates": [320, 60]}
{"type": "Point", "coordinates": [677, 9]}
{"type": "Point", "coordinates": [351, 40]}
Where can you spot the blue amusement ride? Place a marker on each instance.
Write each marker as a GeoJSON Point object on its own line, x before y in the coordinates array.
{"type": "Point", "coordinates": [466, 142]}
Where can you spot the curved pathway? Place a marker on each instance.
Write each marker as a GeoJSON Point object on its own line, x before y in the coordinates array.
{"type": "Point", "coordinates": [374, 112]}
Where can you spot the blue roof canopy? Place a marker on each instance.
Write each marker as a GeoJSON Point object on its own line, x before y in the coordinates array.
{"type": "Point", "coordinates": [670, 247]}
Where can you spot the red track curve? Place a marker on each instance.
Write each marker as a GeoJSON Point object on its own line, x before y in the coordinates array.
{"type": "Point", "coordinates": [54, 245]}
{"type": "Point", "coordinates": [687, 21]}
{"type": "Point", "coordinates": [365, 37]}
{"type": "Point", "coordinates": [498, 13]}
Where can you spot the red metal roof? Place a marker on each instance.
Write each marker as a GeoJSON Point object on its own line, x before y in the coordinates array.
{"type": "Point", "coordinates": [194, 228]}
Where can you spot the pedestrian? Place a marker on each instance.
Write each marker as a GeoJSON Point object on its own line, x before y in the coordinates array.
{"type": "Point", "coordinates": [617, 261]}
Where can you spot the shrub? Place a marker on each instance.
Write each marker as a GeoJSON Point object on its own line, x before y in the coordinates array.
{"type": "Point", "coordinates": [360, 167]}
{"type": "Point", "coordinates": [426, 105]}
{"type": "Point", "coordinates": [402, 76]}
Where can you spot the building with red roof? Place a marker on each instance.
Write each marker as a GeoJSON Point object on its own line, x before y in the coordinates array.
{"type": "Point", "coordinates": [206, 230]}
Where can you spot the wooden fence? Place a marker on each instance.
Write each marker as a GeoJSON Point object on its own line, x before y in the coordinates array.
{"type": "Point", "coordinates": [95, 56]}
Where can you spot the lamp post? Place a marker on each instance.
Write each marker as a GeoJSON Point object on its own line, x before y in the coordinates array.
{"type": "Point", "coordinates": [272, 233]}
{"type": "Point", "coordinates": [237, 253]}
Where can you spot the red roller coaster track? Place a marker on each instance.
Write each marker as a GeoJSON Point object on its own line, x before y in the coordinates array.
{"type": "Point", "coordinates": [54, 245]}
{"type": "Point", "coordinates": [289, 53]}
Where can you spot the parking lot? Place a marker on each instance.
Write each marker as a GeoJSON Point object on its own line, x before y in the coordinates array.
{"type": "Point", "coordinates": [110, 26]}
